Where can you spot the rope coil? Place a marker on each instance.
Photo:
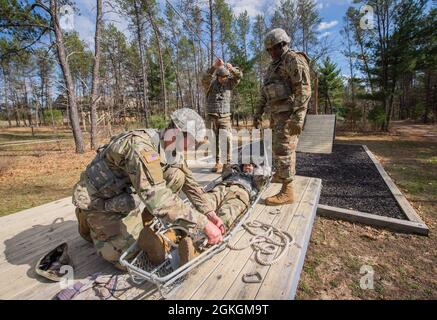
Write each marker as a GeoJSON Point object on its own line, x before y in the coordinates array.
{"type": "Point", "coordinates": [265, 243]}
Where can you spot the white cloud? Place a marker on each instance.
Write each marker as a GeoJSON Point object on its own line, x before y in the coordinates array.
{"type": "Point", "coordinates": [253, 7]}
{"type": "Point", "coordinates": [327, 25]}
{"type": "Point", "coordinates": [325, 34]}
{"type": "Point", "coordinates": [84, 23]}
{"type": "Point", "coordinates": [86, 28]}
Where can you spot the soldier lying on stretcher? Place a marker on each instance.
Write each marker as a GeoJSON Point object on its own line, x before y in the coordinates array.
{"type": "Point", "coordinates": [229, 199]}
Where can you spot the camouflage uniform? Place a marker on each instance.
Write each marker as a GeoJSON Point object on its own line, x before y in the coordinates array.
{"type": "Point", "coordinates": [218, 99]}
{"type": "Point", "coordinates": [234, 194]}
{"type": "Point", "coordinates": [285, 94]}
{"type": "Point", "coordinates": [128, 170]}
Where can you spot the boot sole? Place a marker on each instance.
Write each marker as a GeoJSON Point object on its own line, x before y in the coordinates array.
{"type": "Point", "coordinates": [152, 246]}
{"type": "Point", "coordinates": [187, 251]}
{"type": "Point", "coordinates": [271, 204]}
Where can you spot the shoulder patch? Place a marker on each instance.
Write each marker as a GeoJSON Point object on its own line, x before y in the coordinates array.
{"type": "Point", "coordinates": [150, 156]}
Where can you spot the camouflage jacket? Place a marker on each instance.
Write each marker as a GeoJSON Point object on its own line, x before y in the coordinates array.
{"type": "Point", "coordinates": [135, 158]}
{"type": "Point", "coordinates": [286, 85]}
{"type": "Point", "coordinates": [218, 96]}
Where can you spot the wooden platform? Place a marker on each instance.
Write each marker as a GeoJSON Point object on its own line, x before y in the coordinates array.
{"type": "Point", "coordinates": [27, 235]}
{"type": "Point", "coordinates": [318, 134]}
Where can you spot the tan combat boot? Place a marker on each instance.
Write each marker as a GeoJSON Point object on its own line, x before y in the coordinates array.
{"type": "Point", "coordinates": [218, 168]}
{"type": "Point", "coordinates": [276, 179]}
{"type": "Point", "coordinates": [187, 251]}
{"type": "Point", "coordinates": [154, 245]}
{"type": "Point", "coordinates": [227, 166]}
{"type": "Point", "coordinates": [285, 196]}
{"type": "Point", "coordinates": [147, 217]}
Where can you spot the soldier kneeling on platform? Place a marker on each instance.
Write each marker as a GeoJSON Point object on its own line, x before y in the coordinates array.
{"type": "Point", "coordinates": [134, 168]}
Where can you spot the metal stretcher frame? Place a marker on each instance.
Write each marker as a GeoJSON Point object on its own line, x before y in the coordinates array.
{"type": "Point", "coordinates": [139, 275]}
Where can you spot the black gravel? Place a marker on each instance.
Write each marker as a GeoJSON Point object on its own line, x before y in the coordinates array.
{"type": "Point", "coordinates": [350, 180]}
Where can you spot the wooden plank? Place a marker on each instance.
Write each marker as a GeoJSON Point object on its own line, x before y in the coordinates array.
{"type": "Point", "coordinates": [198, 277]}
{"type": "Point", "coordinates": [282, 279]}
{"type": "Point", "coordinates": [318, 134]}
{"type": "Point", "coordinates": [230, 270]}
{"type": "Point", "coordinates": [43, 214]}
{"type": "Point", "coordinates": [24, 279]}
{"type": "Point", "coordinates": [406, 207]}
{"type": "Point", "coordinates": [373, 220]}
{"type": "Point", "coordinates": [47, 291]}
{"type": "Point", "coordinates": [33, 235]}
{"type": "Point", "coordinates": [35, 238]}
{"type": "Point", "coordinates": [27, 235]}
{"type": "Point", "coordinates": [289, 214]}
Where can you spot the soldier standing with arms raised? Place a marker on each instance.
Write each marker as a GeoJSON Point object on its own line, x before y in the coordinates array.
{"type": "Point", "coordinates": [286, 92]}
{"type": "Point", "coordinates": [218, 100]}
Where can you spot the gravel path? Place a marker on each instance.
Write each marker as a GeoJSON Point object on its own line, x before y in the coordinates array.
{"type": "Point", "coordinates": [350, 180]}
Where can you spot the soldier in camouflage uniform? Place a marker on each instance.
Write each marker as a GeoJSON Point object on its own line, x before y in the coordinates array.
{"type": "Point", "coordinates": [240, 184]}
{"type": "Point", "coordinates": [230, 198]}
{"type": "Point", "coordinates": [131, 169]}
{"type": "Point", "coordinates": [218, 108]}
{"type": "Point", "coordinates": [285, 93]}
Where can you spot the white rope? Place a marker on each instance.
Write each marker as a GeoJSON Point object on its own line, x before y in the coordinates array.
{"type": "Point", "coordinates": [265, 243]}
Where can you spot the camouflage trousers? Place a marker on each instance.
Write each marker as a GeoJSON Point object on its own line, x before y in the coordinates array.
{"type": "Point", "coordinates": [111, 233]}
{"type": "Point", "coordinates": [228, 201]}
{"type": "Point", "coordinates": [217, 123]}
{"type": "Point", "coordinates": [283, 146]}
{"type": "Point", "coordinates": [113, 225]}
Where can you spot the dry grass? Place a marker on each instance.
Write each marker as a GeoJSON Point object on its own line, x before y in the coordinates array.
{"type": "Point", "coordinates": [34, 174]}
{"type": "Point", "coordinates": [404, 265]}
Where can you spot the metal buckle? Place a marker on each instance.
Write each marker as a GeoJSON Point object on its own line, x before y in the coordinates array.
{"type": "Point", "coordinates": [252, 277]}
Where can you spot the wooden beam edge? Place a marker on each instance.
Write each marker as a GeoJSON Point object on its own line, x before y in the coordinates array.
{"type": "Point", "coordinates": [405, 205]}
{"type": "Point", "coordinates": [306, 241]}
{"type": "Point", "coordinates": [373, 220]}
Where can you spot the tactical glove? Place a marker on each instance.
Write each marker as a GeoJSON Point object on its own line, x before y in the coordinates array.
{"type": "Point", "coordinates": [213, 233]}
{"type": "Point", "coordinates": [214, 218]}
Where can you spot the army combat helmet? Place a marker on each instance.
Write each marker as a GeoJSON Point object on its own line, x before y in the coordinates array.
{"type": "Point", "coordinates": [188, 120]}
{"type": "Point", "coordinates": [222, 72]}
{"type": "Point", "coordinates": [275, 36]}
{"type": "Point", "coordinates": [51, 265]}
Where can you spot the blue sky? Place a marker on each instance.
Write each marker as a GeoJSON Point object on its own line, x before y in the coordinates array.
{"type": "Point", "coordinates": [331, 13]}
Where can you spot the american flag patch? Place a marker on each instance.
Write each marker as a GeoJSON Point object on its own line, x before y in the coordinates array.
{"type": "Point", "coordinates": [151, 156]}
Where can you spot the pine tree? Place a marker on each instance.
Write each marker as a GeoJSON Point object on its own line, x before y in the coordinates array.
{"type": "Point", "coordinates": [330, 86]}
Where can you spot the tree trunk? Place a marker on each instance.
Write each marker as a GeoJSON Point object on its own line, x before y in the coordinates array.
{"type": "Point", "coordinates": [428, 101]}
{"type": "Point", "coordinates": [196, 73]}
{"type": "Point", "coordinates": [178, 81]}
{"type": "Point", "coordinates": [142, 62]}
{"type": "Point", "coordinates": [74, 117]}
{"type": "Point", "coordinates": [48, 99]}
{"type": "Point", "coordinates": [8, 109]}
{"type": "Point", "coordinates": [190, 87]}
{"type": "Point", "coordinates": [161, 65]}
{"type": "Point", "coordinates": [211, 22]}
{"type": "Point", "coordinates": [27, 103]}
{"type": "Point", "coordinates": [96, 76]}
